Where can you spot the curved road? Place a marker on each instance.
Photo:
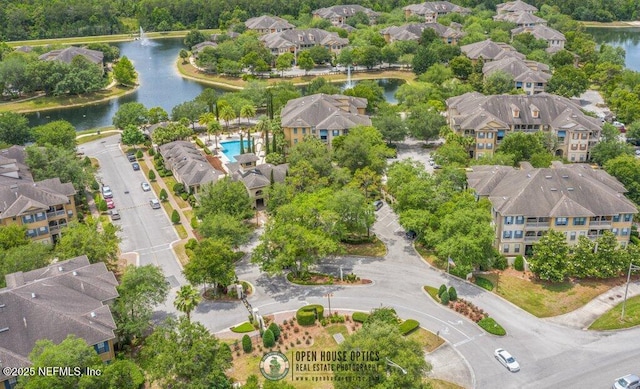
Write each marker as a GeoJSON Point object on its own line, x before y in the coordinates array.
{"type": "Point", "coordinates": [551, 355]}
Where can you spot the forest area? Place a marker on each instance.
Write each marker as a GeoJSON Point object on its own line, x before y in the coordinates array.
{"type": "Point", "coordinates": [41, 19]}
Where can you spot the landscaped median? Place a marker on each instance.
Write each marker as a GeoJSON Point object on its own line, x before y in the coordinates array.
{"type": "Point", "coordinates": [612, 319]}
{"type": "Point", "coordinates": [449, 298]}
{"type": "Point", "coordinates": [313, 278]}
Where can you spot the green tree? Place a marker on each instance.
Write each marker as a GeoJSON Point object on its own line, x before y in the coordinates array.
{"type": "Point", "coordinates": [361, 147]}
{"type": "Point", "coordinates": [212, 264]}
{"type": "Point", "coordinates": [248, 111]}
{"type": "Point", "coordinates": [369, 56]}
{"type": "Point", "coordinates": [187, 299]}
{"type": "Point", "coordinates": [284, 62]}
{"type": "Point", "coordinates": [141, 289]}
{"type": "Point", "coordinates": [98, 242]}
{"type": "Point", "coordinates": [190, 110]}
{"type": "Point", "coordinates": [83, 77]}
{"type": "Point", "coordinates": [157, 115]}
{"type": "Point", "coordinates": [152, 175]}
{"type": "Point", "coordinates": [14, 128]}
{"type": "Point", "coordinates": [568, 81]}
{"type": "Point", "coordinates": [521, 145]}
{"type": "Point", "coordinates": [23, 257]}
{"type": "Point", "coordinates": [194, 37]}
{"type": "Point", "coordinates": [227, 113]}
{"type": "Point", "coordinates": [356, 213]}
{"type": "Point", "coordinates": [72, 352]}
{"type": "Point", "coordinates": [391, 126]}
{"type": "Point", "coordinates": [59, 133]}
{"type": "Point", "coordinates": [305, 61]}
{"type": "Point", "coordinates": [550, 257]}
{"type": "Point", "coordinates": [268, 340]}
{"type": "Point", "coordinates": [163, 195]}
{"type": "Point", "coordinates": [130, 114]}
{"type": "Point", "coordinates": [209, 97]}
{"type": "Point", "coordinates": [626, 169]}
{"type": "Point", "coordinates": [221, 226]}
{"type": "Point", "coordinates": [498, 82]}
{"type": "Point", "coordinates": [121, 374]}
{"type": "Point", "coordinates": [175, 217]}
{"type": "Point", "coordinates": [57, 162]}
{"type": "Point", "coordinates": [169, 133]}
{"type": "Point", "coordinates": [124, 72]}
{"type": "Point", "coordinates": [132, 136]}
{"type": "Point", "coordinates": [425, 123]}
{"type": "Point", "coordinates": [320, 54]}
{"type": "Point", "coordinates": [370, 90]}
{"type": "Point", "coordinates": [185, 354]}
{"type": "Point", "coordinates": [610, 146]}
{"type": "Point", "coordinates": [13, 235]}
{"type": "Point", "coordinates": [227, 197]}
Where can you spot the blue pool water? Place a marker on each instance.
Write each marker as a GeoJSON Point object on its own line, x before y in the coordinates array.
{"type": "Point", "coordinates": [232, 148]}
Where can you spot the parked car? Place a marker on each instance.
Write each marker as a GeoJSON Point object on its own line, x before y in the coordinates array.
{"type": "Point", "coordinates": [630, 381]}
{"type": "Point", "coordinates": [106, 192]}
{"type": "Point", "coordinates": [506, 359]}
{"type": "Point", "coordinates": [620, 126]}
{"type": "Point", "coordinates": [378, 204]}
{"type": "Point", "coordinates": [136, 166]}
{"type": "Point", "coordinates": [411, 235]}
{"type": "Point", "coordinates": [155, 204]}
{"type": "Point", "coordinates": [145, 187]}
{"type": "Point", "coordinates": [131, 157]}
{"type": "Point", "coordinates": [115, 215]}
{"type": "Point", "coordinates": [110, 203]}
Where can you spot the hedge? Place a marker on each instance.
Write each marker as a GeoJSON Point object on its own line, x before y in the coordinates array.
{"type": "Point", "coordinates": [306, 315]}
{"type": "Point", "coordinates": [242, 328]}
{"type": "Point", "coordinates": [199, 142]}
{"type": "Point", "coordinates": [518, 263]}
{"type": "Point", "coordinates": [490, 325]}
{"type": "Point", "coordinates": [360, 317]}
{"type": "Point", "coordinates": [442, 289]}
{"type": "Point", "coordinates": [484, 283]}
{"type": "Point", "coordinates": [453, 295]}
{"type": "Point", "coordinates": [408, 326]}
{"type": "Point", "coordinates": [444, 298]}
{"type": "Point", "coordinates": [247, 345]}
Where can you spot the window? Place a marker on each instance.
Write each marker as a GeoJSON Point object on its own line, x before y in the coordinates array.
{"type": "Point", "coordinates": [27, 219]}
{"type": "Point", "coordinates": [335, 132]}
{"type": "Point", "coordinates": [528, 85]}
{"type": "Point", "coordinates": [519, 219]}
{"type": "Point", "coordinates": [614, 231]}
{"type": "Point", "coordinates": [518, 234]}
{"type": "Point", "coordinates": [508, 220]}
{"type": "Point", "coordinates": [295, 141]}
{"type": "Point", "coordinates": [481, 135]}
{"type": "Point", "coordinates": [579, 221]}
{"type": "Point", "coordinates": [505, 248]}
{"type": "Point", "coordinates": [313, 131]}
{"type": "Point", "coordinates": [628, 217]}
{"type": "Point", "coordinates": [584, 135]}
{"type": "Point", "coordinates": [561, 221]}
{"type": "Point", "coordinates": [295, 131]}
{"type": "Point", "coordinates": [304, 131]}
{"type": "Point", "coordinates": [345, 131]}
{"type": "Point", "coordinates": [101, 347]}
{"type": "Point", "coordinates": [625, 232]}
{"type": "Point", "coordinates": [480, 145]}
{"type": "Point", "coordinates": [490, 135]}
{"type": "Point", "coordinates": [616, 218]}
{"type": "Point", "coordinates": [489, 145]}
{"type": "Point", "coordinates": [572, 236]}
{"type": "Point", "coordinates": [506, 234]}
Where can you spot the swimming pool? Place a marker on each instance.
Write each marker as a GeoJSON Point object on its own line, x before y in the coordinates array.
{"type": "Point", "coordinates": [232, 148]}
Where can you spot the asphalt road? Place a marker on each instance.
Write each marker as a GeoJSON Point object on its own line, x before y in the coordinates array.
{"type": "Point", "coordinates": [550, 354]}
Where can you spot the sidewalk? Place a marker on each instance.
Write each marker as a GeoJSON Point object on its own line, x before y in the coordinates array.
{"type": "Point", "coordinates": [582, 317]}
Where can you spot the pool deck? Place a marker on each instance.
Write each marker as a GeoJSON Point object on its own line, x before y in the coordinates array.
{"type": "Point", "coordinates": [235, 136]}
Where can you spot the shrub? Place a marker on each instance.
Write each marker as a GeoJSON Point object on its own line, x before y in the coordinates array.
{"type": "Point", "coordinates": [199, 142]}
{"type": "Point", "coordinates": [175, 217]}
{"type": "Point", "coordinates": [408, 326]}
{"type": "Point", "coordinates": [500, 262]}
{"type": "Point", "coordinates": [268, 339]}
{"type": "Point", "coordinates": [360, 317]}
{"type": "Point", "coordinates": [152, 175]}
{"type": "Point", "coordinates": [518, 263]}
{"type": "Point", "coordinates": [163, 195]}
{"type": "Point", "coordinates": [491, 326]}
{"type": "Point", "coordinates": [151, 152]}
{"type": "Point", "coordinates": [247, 345]}
{"type": "Point", "coordinates": [444, 298]}
{"type": "Point", "coordinates": [95, 185]}
{"type": "Point", "coordinates": [453, 295]}
{"type": "Point", "coordinates": [139, 154]}
{"type": "Point", "coordinates": [184, 196]}
{"type": "Point", "coordinates": [192, 244]}
{"type": "Point", "coordinates": [484, 283]}
{"type": "Point", "coordinates": [275, 329]}
{"type": "Point", "coordinates": [178, 188]}
{"type": "Point", "coordinates": [306, 315]}
{"type": "Point", "coordinates": [194, 222]}
{"type": "Point", "coordinates": [441, 290]}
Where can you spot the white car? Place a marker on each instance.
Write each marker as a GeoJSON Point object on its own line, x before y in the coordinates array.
{"type": "Point", "coordinates": [106, 192]}
{"type": "Point", "coordinates": [506, 359]}
{"type": "Point", "coordinates": [630, 381]}
{"type": "Point", "coordinates": [155, 204]}
{"type": "Point", "coordinates": [145, 187]}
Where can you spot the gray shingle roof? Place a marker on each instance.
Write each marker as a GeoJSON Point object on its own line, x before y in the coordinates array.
{"type": "Point", "coordinates": [346, 11]}
{"type": "Point", "coordinates": [202, 45]}
{"type": "Point", "coordinates": [260, 176]}
{"type": "Point", "coordinates": [490, 50]}
{"type": "Point", "coordinates": [192, 167]}
{"type": "Point", "coordinates": [524, 71]}
{"type": "Point", "coordinates": [268, 22]}
{"type": "Point", "coordinates": [540, 31]}
{"type": "Point", "coordinates": [470, 110]}
{"type": "Point", "coordinates": [246, 158]}
{"type": "Point", "coordinates": [52, 303]}
{"type": "Point", "coordinates": [67, 55]}
{"type": "Point", "coordinates": [18, 199]}
{"type": "Point", "coordinates": [559, 191]}
{"type": "Point", "coordinates": [516, 6]}
{"type": "Point", "coordinates": [520, 18]}
{"type": "Point", "coordinates": [297, 38]}
{"type": "Point", "coordinates": [413, 31]}
{"type": "Point", "coordinates": [435, 7]}
{"type": "Point", "coordinates": [321, 110]}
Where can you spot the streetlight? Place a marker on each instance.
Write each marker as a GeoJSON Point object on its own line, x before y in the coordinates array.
{"type": "Point", "coordinates": [393, 364]}
{"type": "Point", "coordinates": [626, 290]}
{"type": "Point", "coordinates": [329, 295]}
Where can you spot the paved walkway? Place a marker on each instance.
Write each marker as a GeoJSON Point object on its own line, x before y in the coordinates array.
{"type": "Point", "coordinates": [584, 316]}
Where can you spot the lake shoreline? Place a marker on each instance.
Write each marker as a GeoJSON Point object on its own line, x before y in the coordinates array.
{"type": "Point", "coordinates": [617, 24]}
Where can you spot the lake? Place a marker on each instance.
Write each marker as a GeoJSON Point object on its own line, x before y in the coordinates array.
{"type": "Point", "coordinates": [627, 38]}
{"type": "Point", "coordinates": [160, 86]}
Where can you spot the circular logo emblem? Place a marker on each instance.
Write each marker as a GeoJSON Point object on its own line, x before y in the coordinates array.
{"type": "Point", "coordinates": [274, 366]}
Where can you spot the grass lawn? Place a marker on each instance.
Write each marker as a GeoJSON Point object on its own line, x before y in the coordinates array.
{"type": "Point", "coordinates": [182, 232]}
{"type": "Point", "coordinates": [244, 327]}
{"type": "Point", "coordinates": [181, 253]}
{"type": "Point", "coordinates": [87, 139]}
{"type": "Point", "coordinates": [374, 249]}
{"type": "Point", "coordinates": [170, 182]}
{"type": "Point", "coordinates": [545, 299]}
{"type": "Point", "coordinates": [611, 319]}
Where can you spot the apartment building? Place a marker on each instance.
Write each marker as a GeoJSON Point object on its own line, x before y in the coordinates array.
{"type": "Point", "coordinates": [267, 24]}
{"type": "Point", "coordinates": [555, 39]}
{"type": "Point", "coordinates": [488, 50]}
{"type": "Point", "coordinates": [488, 119]}
{"type": "Point", "coordinates": [431, 10]}
{"type": "Point", "coordinates": [293, 41]}
{"type": "Point", "coordinates": [339, 14]}
{"type": "Point", "coordinates": [575, 199]}
{"type": "Point", "coordinates": [413, 32]}
{"type": "Point", "coordinates": [530, 76]}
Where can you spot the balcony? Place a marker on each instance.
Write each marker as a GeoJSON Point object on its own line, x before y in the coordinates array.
{"type": "Point", "coordinates": [605, 223]}
{"type": "Point", "coordinates": [531, 238]}
{"type": "Point", "coordinates": [537, 224]}
{"type": "Point", "coordinates": [54, 214]}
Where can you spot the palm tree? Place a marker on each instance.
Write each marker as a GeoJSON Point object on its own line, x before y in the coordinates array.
{"type": "Point", "coordinates": [214, 127]}
{"type": "Point", "coordinates": [226, 113]}
{"type": "Point", "coordinates": [205, 119]}
{"type": "Point", "coordinates": [248, 111]}
{"type": "Point", "coordinates": [264, 125]}
{"type": "Point", "coordinates": [187, 299]}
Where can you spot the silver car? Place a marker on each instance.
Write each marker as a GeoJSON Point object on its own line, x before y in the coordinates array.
{"type": "Point", "coordinates": [630, 381]}
{"type": "Point", "coordinates": [145, 187]}
{"type": "Point", "coordinates": [155, 204]}
{"type": "Point", "coordinates": [507, 360]}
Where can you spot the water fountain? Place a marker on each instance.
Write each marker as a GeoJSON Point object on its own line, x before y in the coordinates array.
{"type": "Point", "coordinates": [349, 84]}
{"type": "Point", "coordinates": [144, 41]}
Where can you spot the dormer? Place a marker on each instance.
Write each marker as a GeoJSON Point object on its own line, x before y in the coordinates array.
{"type": "Point", "coordinates": [535, 112]}
{"type": "Point", "coordinates": [311, 38]}
{"type": "Point", "coordinates": [301, 37]}
{"type": "Point", "coordinates": [515, 111]}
